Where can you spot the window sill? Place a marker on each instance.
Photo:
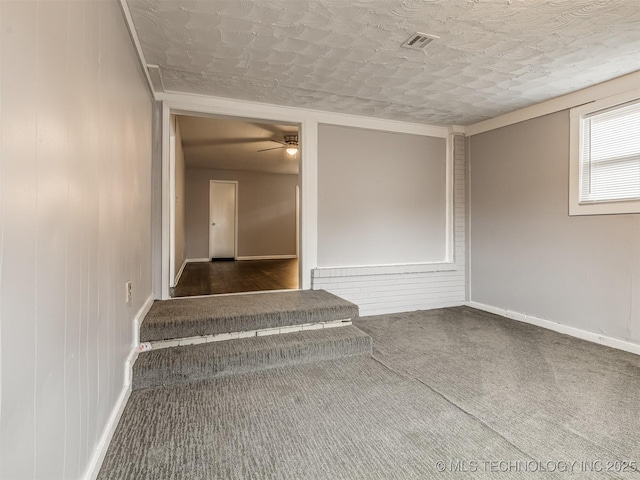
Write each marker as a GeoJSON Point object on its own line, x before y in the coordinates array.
{"type": "Point", "coordinates": [604, 208]}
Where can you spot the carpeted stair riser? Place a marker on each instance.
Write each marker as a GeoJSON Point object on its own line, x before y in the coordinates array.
{"type": "Point", "coordinates": [191, 317]}
{"type": "Point", "coordinates": [177, 365]}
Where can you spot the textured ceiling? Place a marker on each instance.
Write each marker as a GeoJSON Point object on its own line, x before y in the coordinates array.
{"type": "Point", "coordinates": [493, 56]}
{"type": "Point", "coordinates": [233, 145]}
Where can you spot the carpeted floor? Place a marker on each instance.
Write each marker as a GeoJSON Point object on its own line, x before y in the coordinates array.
{"type": "Point", "coordinates": [552, 396]}
{"type": "Point", "coordinates": [185, 317]}
{"type": "Point", "coordinates": [487, 396]}
{"type": "Point", "coordinates": [207, 360]}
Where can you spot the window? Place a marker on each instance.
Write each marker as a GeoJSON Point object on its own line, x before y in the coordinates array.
{"type": "Point", "coordinates": [605, 156]}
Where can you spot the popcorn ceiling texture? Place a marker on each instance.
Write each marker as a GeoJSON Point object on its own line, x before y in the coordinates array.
{"type": "Point", "coordinates": [344, 56]}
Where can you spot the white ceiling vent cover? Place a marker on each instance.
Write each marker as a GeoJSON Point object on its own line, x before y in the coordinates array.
{"type": "Point", "coordinates": [418, 41]}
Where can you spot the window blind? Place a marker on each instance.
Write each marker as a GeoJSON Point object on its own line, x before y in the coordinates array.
{"type": "Point", "coordinates": [610, 154]}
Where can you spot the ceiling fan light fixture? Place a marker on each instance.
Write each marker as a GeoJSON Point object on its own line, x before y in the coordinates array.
{"type": "Point", "coordinates": [292, 144]}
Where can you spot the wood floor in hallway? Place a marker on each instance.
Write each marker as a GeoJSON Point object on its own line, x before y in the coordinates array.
{"type": "Point", "coordinates": [210, 278]}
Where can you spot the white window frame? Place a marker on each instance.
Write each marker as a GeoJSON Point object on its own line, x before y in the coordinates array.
{"type": "Point", "coordinates": [594, 208]}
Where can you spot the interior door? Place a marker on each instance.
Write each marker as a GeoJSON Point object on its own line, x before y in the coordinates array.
{"type": "Point", "coordinates": [222, 219]}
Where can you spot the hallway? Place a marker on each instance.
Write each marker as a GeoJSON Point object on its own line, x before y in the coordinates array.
{"type": "Point", "coordinates": [211, 278]}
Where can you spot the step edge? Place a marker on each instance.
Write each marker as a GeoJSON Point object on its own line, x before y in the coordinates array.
{"type": "Point", "coordinates": [338, 300]}
{"type": "Point", "coordinates": [350, 333]}
{"type": "Point", "coordinates": [363, 350]}
{"type": "Point", "coordinates": [150, 322]}
{"type": "Point", "coordinates": [156, 332]}
{"type": "Point", "coordinates": [220, 337]}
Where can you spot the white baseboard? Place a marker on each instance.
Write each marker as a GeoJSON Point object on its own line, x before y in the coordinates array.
{"type": "Point", "coordinates": [246, 257]}
{"type": "Point", "coordinates": [560, 328]}
{"type": "Point", "coordinates": [91, 473]}
{"type": "Point", "coordinates": [100, 451]}
{"type": "Point", "coordinates": [137, 321]}
{"type": "Point", "coordinates": [184, 264]}
{"type": "Point", "coordinates": [267, 257]}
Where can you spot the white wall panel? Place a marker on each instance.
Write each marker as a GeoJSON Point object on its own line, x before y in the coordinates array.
{"type": "Point", "coordinates": [400, 288]}
{"type": "Point", "coordinates": [179, 201]}
{"type": "Point", "coordinates": [381, 197]}
{"type": "Point", "coordinates": [19, 206]}
{"type": "Point", "coordinates": [75, 196]}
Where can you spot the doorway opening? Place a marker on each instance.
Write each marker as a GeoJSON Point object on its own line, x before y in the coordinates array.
{"type": "Point", "coordinates": [236, 191]}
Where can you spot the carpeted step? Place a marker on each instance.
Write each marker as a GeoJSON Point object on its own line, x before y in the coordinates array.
{"type": "Point", "coordinates": [176, 365]}
{"type": "Point", "coordinates": [191, 317]}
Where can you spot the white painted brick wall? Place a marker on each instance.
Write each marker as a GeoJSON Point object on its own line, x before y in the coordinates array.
{"type": "Point", "coordinates": [403, 288]}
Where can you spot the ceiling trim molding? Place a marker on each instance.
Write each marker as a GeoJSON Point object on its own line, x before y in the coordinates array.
{"type": "Point", "coordinates": [616, 86]}
{"type": "Point", "coordinates": [255, 110]}
{"type": "Point", "coordinates": [136, 42]}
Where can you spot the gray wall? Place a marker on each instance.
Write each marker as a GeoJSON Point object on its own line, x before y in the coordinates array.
{"type": "Point", "coordinates": [266, 212]}
{"type": "Point", "coordinates": [179, 225]}
{"type": "Point", "coordinates": [75, 220]}
{"type": "Point", "coordinates": [528, 255]}
{"type": "Point", "coordinates": [381, 197]}
{"type": "Point", "coordinates": [156, 199]}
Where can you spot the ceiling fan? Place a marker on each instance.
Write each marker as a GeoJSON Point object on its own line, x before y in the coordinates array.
{"type": "Point", "coordinates": [290, 144]}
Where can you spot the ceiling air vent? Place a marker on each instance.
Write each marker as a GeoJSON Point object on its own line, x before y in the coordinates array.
{"type": "Point", "coordinates": [418, 41]}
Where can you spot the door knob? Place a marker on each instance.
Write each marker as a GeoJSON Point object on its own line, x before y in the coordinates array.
{"type": "Point", "coordinates": [213, 224]}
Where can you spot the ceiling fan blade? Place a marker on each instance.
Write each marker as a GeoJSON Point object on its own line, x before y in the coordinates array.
{"type": "Point", "coordinates": [276, 129]}
{"type": "Point", "coordinates": [267, 149]}
{"type": "Point", "coordinates": [278, 141]}
{"type": "Point", "coordinates": [219, 142]}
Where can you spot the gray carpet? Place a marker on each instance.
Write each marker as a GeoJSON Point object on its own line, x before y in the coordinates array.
{"type": "Point", "coordinates": [235, 313]}
{"type": "Point", "coordinates": [198, 362]}
{"type": "Point", "coordinates": [349, 419]}
{"type": "Point", "coordinates": [550, 395]}
{"type": "Point", "coordinates": [453, 385]}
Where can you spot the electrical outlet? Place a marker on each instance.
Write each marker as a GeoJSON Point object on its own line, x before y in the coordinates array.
{"type": "Point", "coordinates": [129, 287]}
